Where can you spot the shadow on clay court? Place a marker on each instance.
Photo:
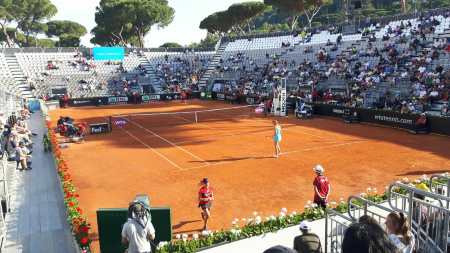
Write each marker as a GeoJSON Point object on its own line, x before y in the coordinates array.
{"type": "Point", "coordinates": [179, 225]}
{"type": "Point", "coordinates": [231, 159]}
{"type": "Point", "coordinates": [420, 172]}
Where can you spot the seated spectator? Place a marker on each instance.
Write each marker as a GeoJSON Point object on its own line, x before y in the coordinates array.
{"type": "Point", "coordinates": [364, 237]}
{"type": "Point", "coordinates": [373, 38]}
{"type": "Point", "coordinates": [19, 157]}
{"type": "Point", "coordinates": [307, 241]}
{"type": "Point", "coordinates": [234, 100]}
{"type": "Point", "coordinates": [385, 37]}
{"type": "Point", "coordinates": [421, 123]}
{"type": "Point", "coordinates": [279, 249]}
{"type": "Point", "coordinates": [434, 95]}
{"type": "Point", "coordinates": [444, 110]}
{"type": "Point", "coordinates": [397, 226]}
{"type": "Point", "coordinates": [411, 108]}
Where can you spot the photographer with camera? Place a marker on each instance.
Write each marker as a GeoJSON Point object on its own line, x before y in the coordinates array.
{"type": "Point", "coordinates": [138, 230]}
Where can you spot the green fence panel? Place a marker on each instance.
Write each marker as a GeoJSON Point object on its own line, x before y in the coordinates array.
{"type": "Point", "coordinates": [111, 220]}
{"type": "Point", "coordinates": [205, 95]}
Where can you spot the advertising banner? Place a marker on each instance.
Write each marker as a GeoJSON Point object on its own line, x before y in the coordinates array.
{"type": "Point", "coordinates": [99, 128]}
{"type": "Point", "coordinates": [117, 100]}
{"type": "Point", "coordinates": [283, 103]}
{"type": "Point", "coordinates": [108, 53]}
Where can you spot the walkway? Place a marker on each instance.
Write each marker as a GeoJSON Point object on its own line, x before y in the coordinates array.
{"type": "Point", "coordinates": [37, 221]}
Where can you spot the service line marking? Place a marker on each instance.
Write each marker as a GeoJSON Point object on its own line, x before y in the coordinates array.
{"type": "Point", "coordinates": [221, 137]}
{"type": "Point", "coordinates": [171, 143]}
{"type": "Point", "coordinates": [167, 159]}
{"type": "Point", "coordinates": [203, 125]}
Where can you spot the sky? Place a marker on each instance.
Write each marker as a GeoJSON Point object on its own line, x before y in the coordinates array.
{"type": "Point", "coordinates": [183, 29]}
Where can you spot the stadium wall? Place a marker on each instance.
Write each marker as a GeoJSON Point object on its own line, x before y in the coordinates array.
{"type": "Point", "coordinates": [123, 100]}
{"type": "Point", "coordinates": [435, 124]}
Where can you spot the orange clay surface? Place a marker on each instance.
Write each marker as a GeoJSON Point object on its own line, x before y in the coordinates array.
{"type": "Point", "coordinates": [167, 163]}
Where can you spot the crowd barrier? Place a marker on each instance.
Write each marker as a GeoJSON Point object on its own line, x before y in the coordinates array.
{"type": "Point", "coordinates": [124, 99]}
{"type": "Point", "coordinates": [435, 124]}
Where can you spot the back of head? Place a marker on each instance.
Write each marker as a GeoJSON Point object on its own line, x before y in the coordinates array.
{"type": "Point", "coordinates": [367, 237]}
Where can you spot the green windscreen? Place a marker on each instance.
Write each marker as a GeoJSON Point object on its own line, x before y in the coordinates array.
{"type": "Point", "coordinates": [111, 220]}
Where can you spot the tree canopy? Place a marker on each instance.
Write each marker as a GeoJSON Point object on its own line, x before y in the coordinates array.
{"type": "Point", "coordinates": [64, 27]}
{"type": "Point", "coordinates": [171, 44]}
{"type": "Point", "coordinates": [234, 19]}
{"type": "Point", "coordinates": [129, 21]}
{"type": "Point", "coordinates": [68, 32]}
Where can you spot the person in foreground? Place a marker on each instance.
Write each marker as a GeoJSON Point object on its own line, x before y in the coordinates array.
{"type": "Point", "coordinates": [276, 138]}
{"type": "Point", "coordinates": [367, 237]}
{"type": "Point", "coordinates": [322, 187]}
{"type": "Point", "coordinates": [138, 230]}
{"type": "Point", "coordinates": [205, 198]}
{"type": "Point", "coordinates": [307, 242]}
{"type": "Point", "coordinates": [397, 226]}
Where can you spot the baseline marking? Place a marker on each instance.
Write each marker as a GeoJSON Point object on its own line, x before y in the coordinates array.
{"type": "Point", "coordinates": [171, 143]}
{"type": "Point", "coordinates": [167, 159]}
{"type": "Point", "coordinates": [203, 125]}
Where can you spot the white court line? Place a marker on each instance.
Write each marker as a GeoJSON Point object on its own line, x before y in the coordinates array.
{"type": "Point", "coordinates": [167, 159]}
{"type": "Point", "coordinates": [267, 124]}
{"type": "Point", "coordinates": [220, 137]}
{"type": "Point", "coordinates": [269, 156]}
{"type": "Point", "coordinates": [203, 125]}
{"type": "Point", "coordinates": [327, 132]}
{"type": "Point", "coordinates": [171, 143]}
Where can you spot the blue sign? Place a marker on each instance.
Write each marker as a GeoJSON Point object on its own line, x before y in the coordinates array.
{"type": "Point", "coordinates": [108, 53]}
{"type": "Point", "coordinates": [120, 122]}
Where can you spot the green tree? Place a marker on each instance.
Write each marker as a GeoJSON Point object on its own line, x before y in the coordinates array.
{"type": "Point", "coordinates": [59, 28]}
{"type": "Point", "coordinates": [291, 7]}
{"type": "Point", "coordinates": [244, 14]}
{"type": "Point", "coordinates": [69, 40]}
{"type": "Point", "coordinates": [29, 15]}
{"type": "Point", "coordinates": [37, 28]}
{"type": "Point", "coordinates": [311, 7]}
{"type": "Point", "coordinates": [113, 25]}
{"type": "Point", "coordinates": [171, 44]}
{"type": "Point", "coordinates": [6, 6]}
{"type": "Point", "coordinates": [125, 20]}
{"type": "Point", "coordinates": [46, 43]}
{"type": "Point", "coordinates": [212, 25]}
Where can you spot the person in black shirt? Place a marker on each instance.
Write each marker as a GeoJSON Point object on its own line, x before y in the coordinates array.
{"type": "Point", "coordinates": [439, 68]}
{"type": "Point", "coordinates": [60, 121]}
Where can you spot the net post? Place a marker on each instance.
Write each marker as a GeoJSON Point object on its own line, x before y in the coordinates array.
{"type": "Point", "coordinates": [110, 123]}
{"type": "Point", "coordinates": [196, 121]}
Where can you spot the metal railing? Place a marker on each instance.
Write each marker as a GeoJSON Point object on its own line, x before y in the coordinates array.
{"type": "Point", "coordinates": [335, 226]}
{"type": "Point", "coordinates": [429, 222]}
{"type": "Point", "coordinates": [443, 188]}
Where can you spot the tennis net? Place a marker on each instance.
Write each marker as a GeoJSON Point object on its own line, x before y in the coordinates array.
{"type": "Point", "coordinates": [151, 120]}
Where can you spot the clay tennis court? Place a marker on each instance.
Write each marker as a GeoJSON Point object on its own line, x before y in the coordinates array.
{"type": "Point", "coordinates": [166, 158]}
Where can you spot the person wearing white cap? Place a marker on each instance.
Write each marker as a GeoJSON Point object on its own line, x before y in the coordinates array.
{"type": "Point", "coordinates": [322, 187]}
{"type": "Point", "coordinates": [307, 242]}
{"type": "Point", "coordinates": [411, 108]}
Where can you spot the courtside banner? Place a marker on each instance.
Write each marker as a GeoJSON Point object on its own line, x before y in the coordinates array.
{"type": "Point", "coordinates": [283, 103]}
{"type": "Point", "coordinates": [435, 124]}
{"type": "Point", "coordinates": [108, 53]}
